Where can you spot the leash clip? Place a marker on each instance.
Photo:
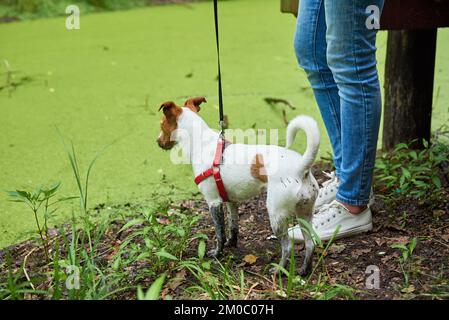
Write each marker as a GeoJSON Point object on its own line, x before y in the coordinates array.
{"type": "Point", "coordinates": [222, 135]}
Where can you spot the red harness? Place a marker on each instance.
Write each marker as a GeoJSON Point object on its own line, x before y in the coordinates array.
{"type": "Point", "coordinates": [215, 171]}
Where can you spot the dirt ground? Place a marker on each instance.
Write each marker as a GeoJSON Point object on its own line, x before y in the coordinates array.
{"type": "Point", "coordinates": [345, 262]}
{"type": "Point", "coordinates": [348, 259]}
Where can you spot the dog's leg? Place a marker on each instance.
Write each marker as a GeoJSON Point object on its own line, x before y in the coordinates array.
{"type": "Point", "coordinates": [286, 248]}
{"type": "Point", "coordinates": [217, 214]}
{"type": "Point", "coordinates": [233, 223]}
{"type": "Point", "coordinates": [281, 232]}
{"type": "Point", "coordinates": [306, 267]}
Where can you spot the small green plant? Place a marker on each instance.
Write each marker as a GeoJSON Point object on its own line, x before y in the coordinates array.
{"type": "Point", "coordinates": [13, 79]}
{"type": "Point", "coordinates": [154, 291]}
{"type": "Point", "coordinates": [82, 184]}
{"type": "Point", "coordinates": [41, 203]}
{"type": "Point", "coordinates": [14, 287]}
{"type": "Point", "coordinates": [412, 173]}
{"type": "Point", "coordinates": [95, 281]}
{"type": "Point", "coordinates": [405, 259]}
{"type": "Point", "coordinates": [162, 235]}
{"type": "Point", "coordinates": [217, 280]}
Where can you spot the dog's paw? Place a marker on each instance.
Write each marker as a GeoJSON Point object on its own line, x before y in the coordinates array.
{"type": "Point", "coordinates": [305, 271]}
{"type": "Point", "coordinates": [214, 253]}
{"type": "Point", "coordinates": [231, 243]}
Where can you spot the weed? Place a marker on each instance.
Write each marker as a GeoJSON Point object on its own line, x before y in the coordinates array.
{"type": "Point", "coordinates": [40, 198]}
{"type": "Point", "coordinates": [15, 286]}
{"type": "Point", "coordinates": [162, 235]}
{"type": "Point", "coordinates": [412, 173]}
{"type": "Point", "coordinates": [405, 260]}
{"type": "Point", "coordinates": [215, 279]}
{"type": "Point", "coordinates": [154, 291]}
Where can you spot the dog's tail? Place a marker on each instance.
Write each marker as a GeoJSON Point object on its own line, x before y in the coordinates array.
{"type": "Point", "coordinates": [310, 127]}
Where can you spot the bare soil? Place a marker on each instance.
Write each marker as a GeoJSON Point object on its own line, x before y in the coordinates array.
{"type": "Point", "coordinates": [345, 263]}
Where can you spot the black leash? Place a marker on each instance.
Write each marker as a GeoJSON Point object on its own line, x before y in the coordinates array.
{"type": "Point", "coordinates": [220, 91]}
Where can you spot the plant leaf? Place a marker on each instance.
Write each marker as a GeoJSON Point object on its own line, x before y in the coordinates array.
{"type": "Point", "coordinates": [154, 291]}
{"type": "Point", "coordinates": [201, 249]}
{"type": "Point", "coordinates": [165, 254]}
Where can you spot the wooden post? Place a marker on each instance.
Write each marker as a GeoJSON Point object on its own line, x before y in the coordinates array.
{"type": "Point", "coordinates": [290, 6]}
{"type": "Point", "coordinates": [409, 78]}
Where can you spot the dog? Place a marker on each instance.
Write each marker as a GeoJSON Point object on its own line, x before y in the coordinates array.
{"type": "Point", "coordinates": [245, 171]}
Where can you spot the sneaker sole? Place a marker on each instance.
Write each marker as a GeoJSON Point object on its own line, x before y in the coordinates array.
{"type": "Point", "coordinates": [351, 232]}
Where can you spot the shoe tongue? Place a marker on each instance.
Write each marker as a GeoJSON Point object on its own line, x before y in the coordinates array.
{"type": "Point", "coordinates": [339, 205]}
{"type": "Point", "coordinates": [332, 179]}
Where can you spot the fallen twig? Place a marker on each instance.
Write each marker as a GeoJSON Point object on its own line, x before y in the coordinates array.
{"type": "Point", "coordinates": [25, 270]}
{"type": "Point", "coordinates": [273, 101]}
{"type": "Point", "coordinates": [250, 290]}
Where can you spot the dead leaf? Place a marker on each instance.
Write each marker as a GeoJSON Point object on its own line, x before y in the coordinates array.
{"type": "Point", "coordinates": [335, 248]}
{"type": "Point", "coordinates": [358, 252]}
{"type": "Point", "coordinates": [179, 278]}
{"type": "Point", "coordinates": [445, 237]}
{"type": "Point", "coordinates": [401, 240]}
{"type": "Point", "coordinates": [438, 213]}
{"type": "Point", "coordinates": [250, 259]}
{"type": "Point", "coordinates": [163, 220]}
{"type": "Point", "coordinates": [379, 241]}
{"type": "Point", "coordinates": [389, 257]}
{"type": "Point", "coordinates": [164, 293]}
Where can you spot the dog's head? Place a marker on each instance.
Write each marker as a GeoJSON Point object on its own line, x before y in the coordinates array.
{"type": "Point", "coordinates": [169, 122]}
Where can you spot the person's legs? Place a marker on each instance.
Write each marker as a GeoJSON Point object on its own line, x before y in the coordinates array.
{"type": "Point", "coordinates": [310, 47]}
{"type": "Point", "coordinates": [351, 56]}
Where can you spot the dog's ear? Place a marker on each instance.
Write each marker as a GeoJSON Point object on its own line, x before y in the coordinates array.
{"type": "Point", "coordinates": [170, 109]}
{"type": "Point", "coordinates": [194, 103]}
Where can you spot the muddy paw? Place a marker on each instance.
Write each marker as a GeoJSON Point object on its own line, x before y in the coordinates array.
{"type": "Point", "coordinates": [305, 271]}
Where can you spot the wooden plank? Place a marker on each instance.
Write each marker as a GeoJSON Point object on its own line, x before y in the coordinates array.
{"type": "Point", "coordinates": [402, 14]}
{"type": "Point", "coordinates": [290, 6]}
{"type": "Point", "coordinates": [409, 75]}
{"type": "Point", "coordinates": [415, 14]}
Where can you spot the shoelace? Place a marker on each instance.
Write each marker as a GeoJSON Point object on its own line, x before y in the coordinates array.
{"type": "Point", "coordinates": [326, 212]}
{"type": "Point", "coordinates": [329, 184]}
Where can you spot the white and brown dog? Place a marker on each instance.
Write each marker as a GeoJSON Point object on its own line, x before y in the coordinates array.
{"type": "Point", "coordinates": [247, 169]}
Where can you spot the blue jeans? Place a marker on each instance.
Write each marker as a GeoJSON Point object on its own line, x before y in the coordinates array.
{"type": "Point", "coordinates": [338, 53]}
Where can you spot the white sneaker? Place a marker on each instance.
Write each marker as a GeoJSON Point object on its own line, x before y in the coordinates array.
{"type": "Point", "coordinates": [328, 192]}
{"type": "Point", "coordinates": [332, 215]}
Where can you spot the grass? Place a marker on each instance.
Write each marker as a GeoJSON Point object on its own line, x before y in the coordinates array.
{"type": "Point", "coordinates": [155, 246]}
{"type": "Point", "coordinates": [139, 252]}
{"type": "Point", "coordinates": [405, 260]}
{"type": "Point", "coordinates": [413, 174]}
{"type": "Point", "coordinates": [32, 9]}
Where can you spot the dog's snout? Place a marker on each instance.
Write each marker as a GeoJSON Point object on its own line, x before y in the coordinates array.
{"type": "Point", "coordinates": [165, 145]}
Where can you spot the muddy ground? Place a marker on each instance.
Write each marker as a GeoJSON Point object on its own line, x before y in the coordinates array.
{"type": "Point", "coordinates": [345, 262]}
{"type": "Point", "coordinates": [348, 259]}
